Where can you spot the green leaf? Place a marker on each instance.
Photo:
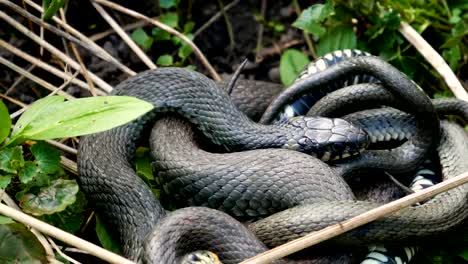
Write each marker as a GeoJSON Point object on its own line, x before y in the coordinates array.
{"type": "Point", "coordinates": [170, 19]}
{"type": "Point", "coordinates": [159, 34]}
{"type": "Point", "coordinates": [188, 27]}
{"type": "Point", "coordinates": [5, 179]}
{"type": "Point", "coordinates": [70, 219]}
{"type": "Point", "coordinates": [83, 116]}
{"type": "Point", "coordinates": [144, 169]}
{"type": "Point", "coordinates": [19, 245]}
{"type": "Point", "coordinates": [167, 3]}
{"type": "Point", "coordinates": [105, 237]}
{"type": "Point", "coordinates": [51, 8]}
{"type": "Point", "coordinates": [185, 50]}
{"type": "Point", "coordinates": [11, 159]}
{"type": "Point", "coordinates": [310, 18]}
{"type": "Point", "coordinates": [50, 199]}
{"type": "Point", "coordinates": [5, 122]}
{"type": "Point", "coordinates": [291, 64]}
{"type": "Point", "coordinates": [165, 60]}
{"type": "Point", "coordinates": [464, 254]}
{"type": "Point", "coordinates": [35, 111]}
{"type": "Point", "coordinates": [29, 171]}
{"type": "Point", "coordinates": [142, 39]}
{"type": "Point", "coordinates": [341, 37]}
{"type": "Point", "coordinates": [47, 157]}
{"type": "Point", "coordinates": [5, 220]}
{"type": "Point", "coordinates": [452, 56]}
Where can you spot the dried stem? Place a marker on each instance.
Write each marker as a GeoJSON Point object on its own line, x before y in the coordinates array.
{"type": "Point", "coordinates": [140, 53]}
{"type": "Point", "coordinates": [60, 252]}
{"type": "Point", "coordinates": [434, 58]}
{"type": "Point", "coordinates": [215, 17]}
{"type": "Point", "coordinates": [103, 85]}
{"type": "Point", "coordinates": [137, 24]}
{"type": "Point", "coordinates": [357, 221]}
{"type": "Point", "coordinates": [20, 78]}
{"type": "Point", "coordinates": [309, 42]}
{"type": "Point", "coordinates": [232, 41]}
{"type": "Point", "coordinates": [87, 40]}
{"type": "Point", "coordinates": [164, 27]}
{"type": "Point", "coordinates": [45, 66]}
{"type": "Point", "coordinates": [32, 77]}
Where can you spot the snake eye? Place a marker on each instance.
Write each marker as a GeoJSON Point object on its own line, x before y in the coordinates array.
{"type": "Point", "coordinates": [193, 257]}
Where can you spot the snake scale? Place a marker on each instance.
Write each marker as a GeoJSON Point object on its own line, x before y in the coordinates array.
{"type": "Point", "coordinates": [270, 180]}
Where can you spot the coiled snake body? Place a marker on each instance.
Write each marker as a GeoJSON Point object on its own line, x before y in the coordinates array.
{"type": "Point", "coordinates": [108, 180]}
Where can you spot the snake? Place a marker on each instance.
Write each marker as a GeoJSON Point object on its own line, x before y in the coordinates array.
{"type": "Point", "coordinates": [104, 159]}
{"type": "Point", "coordinates": [108, 180]}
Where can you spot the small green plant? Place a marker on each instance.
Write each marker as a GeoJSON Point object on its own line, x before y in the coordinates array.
{"type": "Point", "coordinates": [158, 36]}
{"type": "Point", "coordinates": [373, 26]}
{"type": "Point", "coordinates": [30, 168]}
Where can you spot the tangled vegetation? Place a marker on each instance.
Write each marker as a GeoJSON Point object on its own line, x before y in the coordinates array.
{"type": "Point", "coordinates": [31, 169]}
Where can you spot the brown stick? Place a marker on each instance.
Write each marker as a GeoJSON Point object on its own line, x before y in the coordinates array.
{"type": "Point", "coordinates": [434, 58]}
{"type": "Point", "coordinates": [362, 219]}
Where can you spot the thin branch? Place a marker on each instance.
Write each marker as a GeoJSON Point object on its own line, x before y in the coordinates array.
{"type": "Point", "coordinates": [32, 77]}
{"type": "Point", "coordinates": [103, 85]}
{"type": "Point", "coordinates": [140, 53]}
{"type": "Point", "coordinates": [309, 42]}
{"type": "Point", "coordinates": [45, 66]}
{"type": "Point", "coordinates": [60, 252]}
{"type": "Point", "coordinates": [434, 58]}
{"type": "Point", "coordinates": [232, 41]}
{"type": "Point", "coordinates": [85, 39]}
{"type": "Point", "coordinates": [62, 146]}
{"type": "Point", "coordinates": [215, 17]}
{"type": "Point", "coordinates": [84, 70]}
{"type": "Point", "coordinates": [48, 26]}
{"type": "Point", "coordinates": [62, 235]}
{"type": "Point", "coordinates": [354, 222]}
{"type": "Point", "coordinates": [69, 165]}
{"type": "Point", "coordinates": [170, 30]}
{"type": "Point", "coordinates": [13, 100]}
{"type": "Point", "coordinates": [261, 28]}
{"type": "Point", "coordinates": [20, 78]}
{"type": "Point", "coordinates": [134, 25]}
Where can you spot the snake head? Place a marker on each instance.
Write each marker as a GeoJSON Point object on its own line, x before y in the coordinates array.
{"type": "Point", "coordinates": [326, 138]}
{"type": "Point", "coordinates": [200, 257]}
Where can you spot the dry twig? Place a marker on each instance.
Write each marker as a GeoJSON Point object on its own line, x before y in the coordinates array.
{"type": "Point", "coordinates": [140, 53]}
{"type": "Point", "coordinates": [215, 17]}
{"type": "Point", "coordinates": [134, 25]}
{"type": "Point", "coordinates": [434, 58]}
{"type": "Point", "coordinates": [85, 39]}
{"type": "Point", "coordinates": [354, 222]}
{"type": "Point", "coordinates": [162, 26]}
{"type": "Point", "coordinates": [102, 84]}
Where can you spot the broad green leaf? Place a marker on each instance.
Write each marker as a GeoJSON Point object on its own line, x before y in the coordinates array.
{"type": "Point", "coordinates": [142, 39]}
{"type": "Point", "coordinates": [167, 3]}
{"type": "Point", "coordinates": [105, 237]}
{"type": "Point", "coordinates": [35, 111]}
{"type": "Point", "coordinates": [11, 159]}
{"type": "Point", "coordinates": [5, 179]}
{"type": "Point", "coordinates": [19, 245]}
{"type": "Point", "coordinates": [28, 172]}
{"type": "Point", "coordinates": [5, 122]}
{"type": "Point", "coordinates": [165, 60]}
{"type": "Point", "coordinates": [291, 64]}
{"type": "Point", "coordinates": [5, 220]}
{"type": "Point", "coordinates": [84, 116]}
{"type": "Point", "coordinates": [51, 8]}
{"type": "Point", "coordinates": [70, 219]}
{"type": "Point", "coordinates": [51, 199]}
{"type": "Point", "coordinates": [47, 157]}
{"type": "Point", "coordinates": [170, 19]}
{"type": "Point", "coordinates": [310, 18]}
{"type": "Point", "coordinates": [342, 37]}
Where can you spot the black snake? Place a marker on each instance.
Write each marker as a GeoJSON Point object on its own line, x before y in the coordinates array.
{"type": "Point", "coordinates": [107, 177]}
